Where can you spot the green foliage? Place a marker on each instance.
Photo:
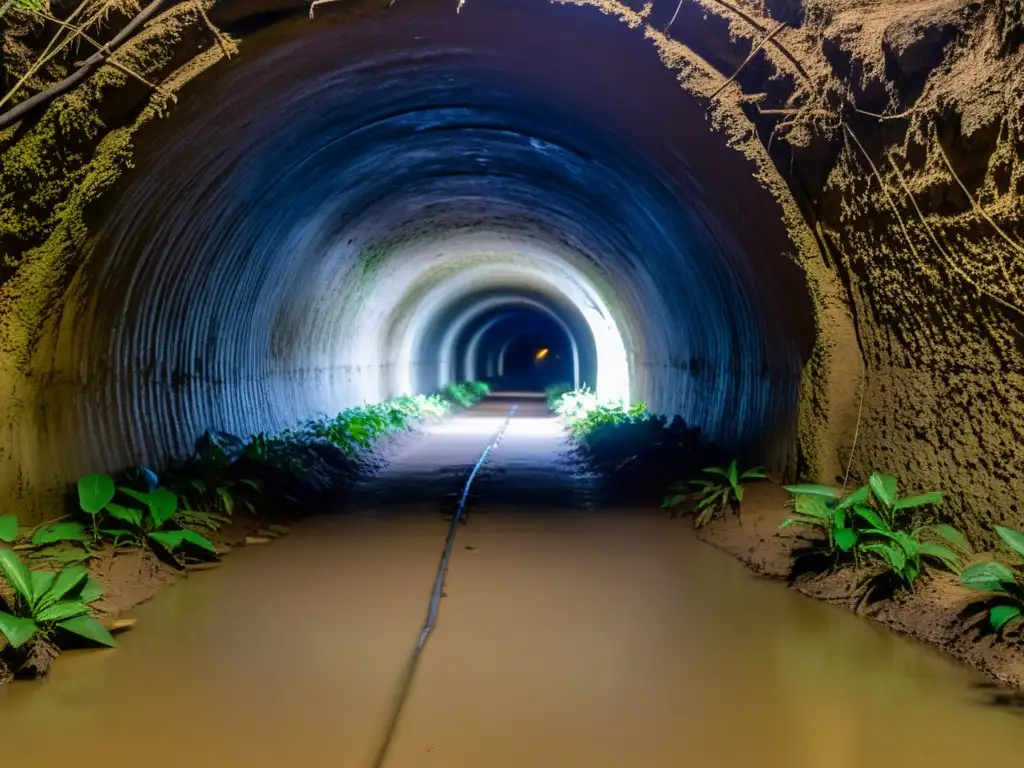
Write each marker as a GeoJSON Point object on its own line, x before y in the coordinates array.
{"type": "Point", "coordinates": [8, 528]}
{"type": "Point", "coordinates": [209, 481]}
{"type": "Point", "coordinates": [873, 522]}
{"type": "Point", "coordinates": [466, 394]}
{"type": "Point", "coordinates": [554, 394]}
{"type": "Point", "coordinates": [583, 413]}
{"type": "Point", "coordinates": [715, 495]}
{"type": "Point", "coordinates": [122, 515]}
{"type": "Point", "coordinates": [356, 429]}
{"type": "Point", "coordinates": [1005, 601]}
{"type": "Point", "coordinates": [45, 601]}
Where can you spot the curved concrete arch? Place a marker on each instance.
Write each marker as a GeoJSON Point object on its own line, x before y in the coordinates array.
{"type": "Point", "coordinates": [472, 369]}
{"type": "Point", "coordinates": [300, 222]}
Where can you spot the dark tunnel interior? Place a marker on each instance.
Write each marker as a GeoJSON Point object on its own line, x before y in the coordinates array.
{"type": "Point", "coordinates": [337, 216]}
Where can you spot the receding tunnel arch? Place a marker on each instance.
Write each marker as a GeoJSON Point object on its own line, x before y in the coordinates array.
{"type": "Point", "coordinates": [482, 352]}
{"type": "Point", "coordinates": [310, 209]}
{"type": "Point", "coordinates": [460, 323]}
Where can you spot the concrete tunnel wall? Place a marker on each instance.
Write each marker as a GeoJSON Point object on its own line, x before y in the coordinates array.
{"type": "Point", "coordinates": [301, 224]}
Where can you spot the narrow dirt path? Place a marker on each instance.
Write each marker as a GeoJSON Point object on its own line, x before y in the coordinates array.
{"type": "Point", "coordinates": [569, 637]}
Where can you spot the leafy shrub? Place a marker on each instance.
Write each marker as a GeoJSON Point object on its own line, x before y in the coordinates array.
{"type": "Point", "coordinates": [466, 394]}
{"type": "Point", "coordinates": [873, 521]}
{"type": "Point", "coordinates": [45, 601]}
{"type": "Point", "coordinates": [136, 517]}
{"type": "Point", "coordinates": [583, 413]}
{"type": "Point", "coordinates": [717, 495]}
{"type": "Point", "coordinates": [1005, 603]}
{"type": "Point", "coordinates": [554, 394]}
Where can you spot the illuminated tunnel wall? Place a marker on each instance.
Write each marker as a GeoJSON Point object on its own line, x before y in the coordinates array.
{"type": "Point", "coordinates": [330, 218]}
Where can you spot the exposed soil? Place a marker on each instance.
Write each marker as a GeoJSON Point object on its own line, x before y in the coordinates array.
{"type": "Point", "coordinates": [935, 613]}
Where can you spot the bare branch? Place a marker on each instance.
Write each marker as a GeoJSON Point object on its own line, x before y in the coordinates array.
{"type": "Point", "coordinates": [16, 113]}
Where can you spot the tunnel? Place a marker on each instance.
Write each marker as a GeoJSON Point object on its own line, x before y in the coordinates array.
{"type": "Point", "coordinates": [329, 219]}
{"type": "Point", "coordinates": [338, 258]}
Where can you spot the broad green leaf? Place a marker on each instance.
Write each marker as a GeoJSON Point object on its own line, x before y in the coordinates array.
{"type": "Point", "coordinates": [16, 573]}
{"type": "Point", "coordinates": [169, 540]}
{"type": "Point", "coordinates": [252, 484]}
{"type": "Point", "coordinates": [673, 501]}
{"type": "Point", "coordinates": [199, 540]}
{"type": "Point", "coordinates": [139, 496]}
{"type": "Point", "coordinates": [738, 490]}
{"type": "Point", "coordinates": [66, 581]}
{"type": "Point", "coordinates": [227, 500]}
{"type": "Point", "coordinates": [870, 516]}
{"type": "Point", "coordinates": [846, 539]}
{"type": "Point", "coordinates": [8, 528]}
{"type": "Point", "coordinates": [65, 609]}
{"type": "Point", "coordinates": [61, 532]}
{"type": "Point", "coordinates": [860, 496]}
{"type": "Point", "coordinates": [988, 576]}
{"type": "Point", "coordinates": [814, 506]}
{"type": "Point", "coordinates": [705, 483]}
{"type": "Point", "coordinates": [733, 474]}
{"type": "Point", "coordinates": [893, 556]}
{"type": "Point", "coordinates": [95, 492]}
{"type": "Point", "coordinates": [198, 484]}
{"type": "Point", "coordinates": [92, 591]}
{"type": "Point", "coordinates": [884, 488]}
{"type": "Point", "coordinates": [1014, 539]}
{"type": "Point", "coordinates": [946, 555]}
{"type": "Point", "coordinates": [41, 582]}
{"type": "Point", "coordinates": [839, 519]}
{"type": "Point", "coordinates": [90, 629]}
{"type": "Point", "coordinates": [710, 498]}
{"type": "Point", "coordinates": [814, 490]}
{"type": "Point", "coordinates": [952, 535]}
{"type": "Point", "coordinates": [918, 501]}
{"type": "Point", "coordinates": [755, 473]}
{"type": "Point", "coordinates": [1000, 615]}
{"type": "Point", "coordinates": [162, 506]}
{"type": "Point", "coordinates": [16, 629]}
{"type": "Point", "coordinates": [716, 471]}
{"type": "Point", "coordinates": [907, 543]}
{"type": "Point", "coordinates": [126, 514]}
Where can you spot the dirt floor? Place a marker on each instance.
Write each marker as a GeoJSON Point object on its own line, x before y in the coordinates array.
{"type": "Point", "coordinates": [933, 613]}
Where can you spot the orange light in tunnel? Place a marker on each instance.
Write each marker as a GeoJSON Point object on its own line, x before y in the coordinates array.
{"type": "Point", "coordinates": [541, 354]}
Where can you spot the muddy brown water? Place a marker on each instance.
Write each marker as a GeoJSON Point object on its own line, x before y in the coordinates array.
{"type": "Point", "coordinates": [569, 637]}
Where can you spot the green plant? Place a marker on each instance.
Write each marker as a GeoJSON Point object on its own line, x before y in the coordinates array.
{"type": "Point", "coordinates": [8, 528]}
{"type": "Point", "coordinates": [815, 511]}
{"type": "Point", "coordinates": [872, 521]}
{"type": "Point", "coordinates": [716, 494]}
{"type": "Point", "coordinates": [1005, 603]}
{"type": "Point", "coordinates": [45, 601]}
{"type": "Point", "coordinates": [159, 520]}
{"type": "Point", "coordinates": [583, 413]}
{"type": "Point", "coordinates": [209, 481]}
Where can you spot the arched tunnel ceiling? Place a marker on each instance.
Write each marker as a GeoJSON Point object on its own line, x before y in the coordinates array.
{"type": "Point", "coordinates": [309, 211]}
{"type": "Point", "coordinates": [232, 279]}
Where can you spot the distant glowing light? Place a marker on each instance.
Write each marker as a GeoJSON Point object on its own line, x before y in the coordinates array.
{"type": "Point", "coordinates": [542, 354]}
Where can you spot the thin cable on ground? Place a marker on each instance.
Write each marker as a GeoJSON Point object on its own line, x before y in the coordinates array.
{"type": "Point", "coordinates": [435, 598]}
